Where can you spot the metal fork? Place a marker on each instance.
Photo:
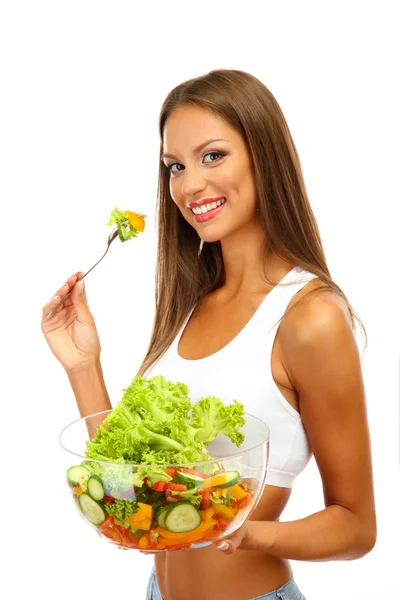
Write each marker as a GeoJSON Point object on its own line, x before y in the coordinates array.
{"type": "Point", "coordinates": [111, 238]}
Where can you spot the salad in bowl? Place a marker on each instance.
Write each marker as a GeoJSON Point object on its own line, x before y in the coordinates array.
{"type": "Point", "coordinates": [160, 473]}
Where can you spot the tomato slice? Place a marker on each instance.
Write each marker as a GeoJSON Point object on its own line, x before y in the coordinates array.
{"type": "Point", "coordinates": [221, 522]}
{"type": "Point", "coordinates": [108, 529]}
{"type": "Point", "coordinates": [118, 534]}
{"type": "Point", "coordinates": [205, 503]}
{"type": "Point", "coordinates": [245, 502]}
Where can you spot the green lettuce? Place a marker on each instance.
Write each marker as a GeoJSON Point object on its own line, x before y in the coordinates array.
{"type": "Point", "coordinates": [121, 509]}
{"type": "Point", "coordinates": [125, 230]}
{"type": "Point", "coordinates": [156, 423]}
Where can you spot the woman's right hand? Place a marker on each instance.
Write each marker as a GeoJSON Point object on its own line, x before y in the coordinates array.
{"type": "Point", "coordinates": [71, 333]}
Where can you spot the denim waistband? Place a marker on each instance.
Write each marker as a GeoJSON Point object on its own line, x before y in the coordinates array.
{"type": "Point", "coordinates": [288, 591]}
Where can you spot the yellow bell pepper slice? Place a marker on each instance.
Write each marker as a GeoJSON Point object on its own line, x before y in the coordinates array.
{"type": "Point", "coordinates": [214, 481]}
{"type": "Point", "coordinates": [142, 518]}
{"type": "Point", "coordinates": [217, 493]}
{"type": "Point", "coordinates": [226, 512]}
{"type": "Point", "coordinates": [237, 492]}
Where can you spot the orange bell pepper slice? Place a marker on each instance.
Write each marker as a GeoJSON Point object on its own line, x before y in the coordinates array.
{"type": "Point", "coordinates": [144, 542]}
{"type": "Point", "coordinates": [188, 538]}
{"type": "Point", "coordinates": [207, 514]}
{"type": "Point", "coordinates": [136, 220]}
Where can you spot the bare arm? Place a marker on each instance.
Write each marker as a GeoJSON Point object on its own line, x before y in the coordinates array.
{"type": "Point", "coordinates": [73, 338]}
{"type": "Point", "coordinates": [322, 361]}
{"type": "Point", "coordinates": [90, 391]}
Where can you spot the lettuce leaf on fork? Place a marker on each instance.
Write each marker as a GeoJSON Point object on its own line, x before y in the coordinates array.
{"type": "Point", "coordinates": [126, 230]}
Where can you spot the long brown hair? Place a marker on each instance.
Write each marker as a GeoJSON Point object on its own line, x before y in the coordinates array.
{"type": "Point", "coordinates": [183, 274]}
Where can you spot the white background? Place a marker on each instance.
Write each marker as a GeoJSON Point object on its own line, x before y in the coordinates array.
{"type": "Point", "coordinates": [82, 84]}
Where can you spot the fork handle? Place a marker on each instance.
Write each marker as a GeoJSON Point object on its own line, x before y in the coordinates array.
{"type": "Point", "coordinates": [59, 305]}
{"type": "Point", "coordinates": [111, 238]}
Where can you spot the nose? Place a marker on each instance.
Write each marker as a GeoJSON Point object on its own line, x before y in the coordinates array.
{"type": "Point", "coordinates": [193, 182]}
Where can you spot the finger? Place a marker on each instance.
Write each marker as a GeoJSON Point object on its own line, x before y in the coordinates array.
{"type": "Point", "coordinates": [60, 293]}
{"type": "Point", "coordinates": [226, 546]}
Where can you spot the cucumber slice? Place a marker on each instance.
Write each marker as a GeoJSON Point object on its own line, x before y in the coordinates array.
{"type": "Point", "coordinates": [190, 480]}
{"type": "Point", "coordinates": [95, 488]}
{"type": "Point", "coordinates": [182, 517]}
{"type": "Point", "coordinates": [161, 516]}
{"type": "Point", "coordinates": [232, 477]}
{"type": "Point", "coordinates": [92, 510]}
{"type": "Point", "coordinates": [77, 475]}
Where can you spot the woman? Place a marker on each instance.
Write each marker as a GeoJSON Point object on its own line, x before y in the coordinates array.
{"type": "Point", "coordinates": [245, 309]}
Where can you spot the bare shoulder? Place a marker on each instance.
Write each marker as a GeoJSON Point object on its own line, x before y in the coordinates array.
{"type": "Point", "coordinates": [314, 314]}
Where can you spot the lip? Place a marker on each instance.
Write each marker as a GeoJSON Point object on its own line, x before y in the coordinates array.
{"type": "Point", "coordinates": [197, 203]}
{"type": "Point", "coordinates": [209, 215]}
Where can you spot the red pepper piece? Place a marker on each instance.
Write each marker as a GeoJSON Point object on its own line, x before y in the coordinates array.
{"type": "Point", "coordinates": [176, 487]}
{"type": "Point", "coordinates": [171, 472]}
{"type": "Point", "coordinates": [160, 486]}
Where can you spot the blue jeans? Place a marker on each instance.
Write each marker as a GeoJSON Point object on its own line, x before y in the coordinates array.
{"type": "Point", "coordinates": [289, 591]}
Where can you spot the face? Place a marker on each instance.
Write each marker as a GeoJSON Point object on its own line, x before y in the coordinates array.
{"type": "Point", "coordinates": [211, 183]}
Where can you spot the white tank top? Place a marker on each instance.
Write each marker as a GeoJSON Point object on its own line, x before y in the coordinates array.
{"type": "Point", "coordinates": [241, 371]}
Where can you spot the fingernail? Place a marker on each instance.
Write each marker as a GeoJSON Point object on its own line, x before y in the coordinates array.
{"type": "Point", "coordinates": [55, 297]}
{"type": "Point", "coordinates": [223, 546]}
{"type": "Point", "coordinates": [81, 286]}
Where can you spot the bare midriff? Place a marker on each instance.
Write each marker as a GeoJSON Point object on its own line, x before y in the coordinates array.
{"type": "Point", "coordinates": [209, 573]}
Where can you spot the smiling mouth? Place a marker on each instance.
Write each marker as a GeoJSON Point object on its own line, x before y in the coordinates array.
{"type": "Point", "coordinates": [205, 208]}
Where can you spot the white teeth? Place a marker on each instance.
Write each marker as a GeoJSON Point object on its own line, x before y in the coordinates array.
{"type": "Point", "coordinates": [201, 210]}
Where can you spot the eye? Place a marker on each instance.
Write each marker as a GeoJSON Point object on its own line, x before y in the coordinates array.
{"type": "Point", "coordinates": [215, 154]}
{"type": "Point", "coordinates": [171, 168]}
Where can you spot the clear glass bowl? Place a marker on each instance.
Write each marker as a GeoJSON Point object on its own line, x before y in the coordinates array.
{"type": "Point", "coordinates": [157, 514]}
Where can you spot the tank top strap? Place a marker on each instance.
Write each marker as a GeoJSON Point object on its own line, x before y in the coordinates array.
{"type": "Point", "coordinates": [274, 305]}
{"type": "Point", "coordinates": [280, 296]}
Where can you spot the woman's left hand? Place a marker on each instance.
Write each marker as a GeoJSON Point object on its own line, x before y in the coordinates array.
{"type": "Point", "coordinates": [238, 540]}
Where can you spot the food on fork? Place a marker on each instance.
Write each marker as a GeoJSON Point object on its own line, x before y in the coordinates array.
{"type": "Point", "coordinates": [129, 223]}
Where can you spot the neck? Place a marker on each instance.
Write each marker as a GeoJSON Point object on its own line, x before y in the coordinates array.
{"type": "Point", "coordinates": [246, 264]}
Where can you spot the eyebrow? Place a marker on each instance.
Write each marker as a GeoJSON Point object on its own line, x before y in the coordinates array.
{"type": "Point", "coordinates": [197, 149]}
